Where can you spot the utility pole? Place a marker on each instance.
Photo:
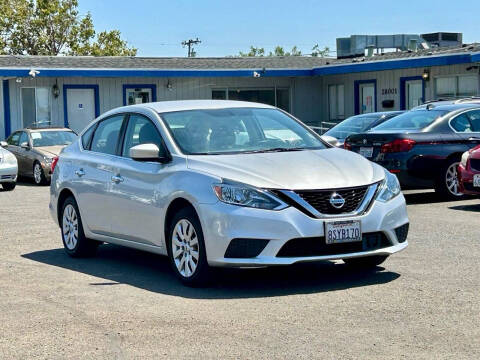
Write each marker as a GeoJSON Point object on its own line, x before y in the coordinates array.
{"type": "Point", "coordinates": [190, 43]}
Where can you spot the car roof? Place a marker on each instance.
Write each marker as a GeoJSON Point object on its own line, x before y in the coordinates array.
{"type": "Point", "coordinates": [380, 113]}
{"type": "Point", "coordinates": [47, 129]}
{"type": "Point", "coordinates": [448, 106]}
{"type": "Point", "coordinates": [181, 105]}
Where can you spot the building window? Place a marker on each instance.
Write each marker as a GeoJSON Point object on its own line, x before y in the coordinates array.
{"type": "Point", "coordinates": [456, 86]}
{"type": "Point", "coordinates": [279, 97]}
{"type": "Point", "coordinates": [139, 94]}
{"type": "Point", "coordinates": [336, 101]}
{"type": "Point", "coordinates": [36, 106]}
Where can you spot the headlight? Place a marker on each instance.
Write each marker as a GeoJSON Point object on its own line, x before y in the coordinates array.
{"type": "Point", "coordinates": [465, 156]}
{"type": "Point", "coordinates": [389, 188]}
{"type": "Point", "coordinates": [47, 160]}
{"type": "Point", "coordinates": [244, 195]}
{"type": "Point", "coordinates": [10, 159]}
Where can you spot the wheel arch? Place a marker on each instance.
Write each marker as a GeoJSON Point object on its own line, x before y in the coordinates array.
{"type": "Point", "coordinates": [64, 194]}
{"type": "Point", "coordinates": [174, 206]}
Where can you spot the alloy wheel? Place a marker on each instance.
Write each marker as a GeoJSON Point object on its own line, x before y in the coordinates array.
{"type": "Point", "coordinates": [451, 179]}
{"type": "Point", "coordinates": [37, 173]}
{"type": "Point", "coordinates": [70, 227]}
{"type": "Point", "coordinates": [185, 248]}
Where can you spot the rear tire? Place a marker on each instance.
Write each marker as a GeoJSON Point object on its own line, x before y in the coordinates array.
{"type": "Point", "coordinates": [73, 237]}
{"type": "Point", "coordinates": [38, 174]}
{"type": "Point", "coordinates": [446, 185]}
{"type": "Point", "coordinates": [186, 249]}
{"type": "Point", "coordinates": [366, 263]}
{"type": "Point", "coordinates": [9, 186]}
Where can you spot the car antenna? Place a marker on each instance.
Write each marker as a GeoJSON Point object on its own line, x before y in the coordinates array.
{"type": "Point", "coordinates": [430, 106]}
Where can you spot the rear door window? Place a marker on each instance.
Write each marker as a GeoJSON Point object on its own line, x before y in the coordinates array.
{"type": "Point", "coordinates": [13, 139]}
{"type": "Point", "coordinates": [461, 123]}
{"type": "Point", "coordinates": [106, 135]}
{"type": "Point", "coordinates": [475, 120]}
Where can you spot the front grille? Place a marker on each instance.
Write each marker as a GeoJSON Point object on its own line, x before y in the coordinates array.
{"type": "Point", "coordinates": [402, 232]}
{"type": "Point", "coordinates": [320, 199]}
{"type": "Point", "coordinates": [316, 246]}
{"type": "Point", "coordinates": [245, 248]}
{"type": "Point", "coordinates": [475, 164]}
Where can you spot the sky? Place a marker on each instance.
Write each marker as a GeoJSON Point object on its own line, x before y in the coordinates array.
{"type": "Point", "coordinates": [225, 27]}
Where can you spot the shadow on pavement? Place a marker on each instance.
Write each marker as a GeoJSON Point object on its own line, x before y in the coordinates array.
{"type": "Point", "coordinates": [152, 272]}
{"type": "Point", "coordinates": [423, 198]}
{"type": "Point", "coordinates": [471, 207]}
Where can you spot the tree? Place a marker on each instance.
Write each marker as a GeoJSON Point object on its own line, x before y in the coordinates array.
{"type": "Point", "coordinates": [53, 27]}
{"type": "Point", "coordinates": [254, 51]}
{"type": "Point", "coordinates": [320, 53]}
{"type": "Point", "coordinates": [277, 51]}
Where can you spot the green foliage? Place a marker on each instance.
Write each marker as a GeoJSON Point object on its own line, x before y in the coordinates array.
{"type": "Point", "coordinates": [280, 51]}
{"type": "Point", "coordinates": [53, 27]}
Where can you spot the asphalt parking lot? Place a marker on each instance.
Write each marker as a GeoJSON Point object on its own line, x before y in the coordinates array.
{"type": "Point", "coordinates": [423, 303]}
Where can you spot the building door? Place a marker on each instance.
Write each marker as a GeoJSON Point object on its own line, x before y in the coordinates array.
{"type": "Point", "coordinates": [367, 97]}
{"type": "Point", "coordinates": [80, 108]}
{"type": "Point", "coordinates": [413, 93]}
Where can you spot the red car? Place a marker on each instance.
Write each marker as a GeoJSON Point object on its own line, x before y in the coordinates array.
{"type": "Point", "coordinates": [469, 172]}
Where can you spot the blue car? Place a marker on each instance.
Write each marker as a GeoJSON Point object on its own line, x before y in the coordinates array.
{"type": "Point", "coordinates": [423, 147]}
{"type": "Point", "coordinates": [359, 124]}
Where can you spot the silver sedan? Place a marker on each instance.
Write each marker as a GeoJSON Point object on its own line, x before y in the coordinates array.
{"type": "Point", "coordinates": [223, 183]}
{"type": "Point", "coordinates": [8, 169]}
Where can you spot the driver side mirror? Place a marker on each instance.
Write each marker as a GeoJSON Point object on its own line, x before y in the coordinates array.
{"type": "Point", "coordinates": [3, 144]}
{"type": "Point", "coordinates": [148, 152]}
{"type": "Point", "coordinates": [24, 145]}
{"type": "Point", "coordinates": [330, 139]}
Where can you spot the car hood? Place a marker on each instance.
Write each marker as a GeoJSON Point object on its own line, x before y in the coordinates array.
{"type": "Point", "coordinates": [294, 170]}
{"type": "Point", "coordinates": [50, 151]}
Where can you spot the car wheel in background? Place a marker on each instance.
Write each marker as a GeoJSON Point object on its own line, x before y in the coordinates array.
{"type": "Point", "coordinates": [186, 248]}
{"type": "Point", "coordinates": [38, 174]}
{"type": "Point", "coordinates": [367, 262]}
{"type": "Point", "coordinates": [9, 186]}
{"type": "Point", "coordinates": [74, 240]}
{"type": "Point", "coordinates": [447, 182]}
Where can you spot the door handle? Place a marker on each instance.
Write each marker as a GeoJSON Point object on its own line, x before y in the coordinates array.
{"type": "Point", "coordinates": [79, 172]}
{"type": "Point", "coordinates": [117, 179]}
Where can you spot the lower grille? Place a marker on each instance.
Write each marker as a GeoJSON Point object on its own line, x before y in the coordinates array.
{"type": "Point", "coordinates": [245, 248]}
{"type": "Point", "coordinates": [402, 232]}
{"type": "Point", "coordinates": [475, 164]}
{"type": "Point", "coordinates": [304, 247]}
{"type": "Point", "coordinates": [470, 187]}
{"type": "Point", "coordinates": [320, 199]}
{"type": "Point", "coordinates": [4, 177]}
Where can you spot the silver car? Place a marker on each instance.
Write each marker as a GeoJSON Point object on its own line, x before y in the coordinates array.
{"type": "Point", "coordinates": [223, 183]}
{"type": "Point", "coordinates": [8, 169]}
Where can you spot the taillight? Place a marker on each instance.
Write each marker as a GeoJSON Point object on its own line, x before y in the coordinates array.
{"type": "Point", "coordinates": [54, 163]}
{"type": "Point", "coordinates": [347, 146]}
{"type": "Point", "coordinates": [398, 145]}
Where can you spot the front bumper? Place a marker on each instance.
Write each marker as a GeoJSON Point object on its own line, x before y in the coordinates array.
{"type": "Point", "coordinates": [221, 223]}
{"type": "Point", "coordinates": [8, 174]}
{"type": "Point", "coordinates": [465, 181]}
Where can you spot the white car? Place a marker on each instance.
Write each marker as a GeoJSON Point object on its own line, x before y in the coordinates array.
{"type": "Point", "coordinates": [8, 169]}
{"type": "Point", "coordinates": [223, 183]}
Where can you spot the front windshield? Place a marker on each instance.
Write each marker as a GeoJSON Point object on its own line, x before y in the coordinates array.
{"type": "Point", "coordinates": [238, 130]}
{"type": "Point", "coordinates": [411, 120]}
{"type": "Point", "coordinates": [352, 125]}
{"type": "Point", "coordinates": [52, 138]}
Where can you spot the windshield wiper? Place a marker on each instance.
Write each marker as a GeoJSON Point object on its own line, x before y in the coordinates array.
{"type": "Point", "coordinates": [279, 149]}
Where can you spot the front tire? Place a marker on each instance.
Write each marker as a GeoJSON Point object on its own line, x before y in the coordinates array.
{"type": "Point", "coordinates": [9, 186]}
{"type": "Point", "coordinates": [366, 263]}
{"type": "Point", "coordinates": [74, 240]}
{"type": "Point", "coordinates": [186, 249]}
{"type": "Point", "coordinates": [38, 174]}
{"type": "Point", "coordinates": [447, 182]}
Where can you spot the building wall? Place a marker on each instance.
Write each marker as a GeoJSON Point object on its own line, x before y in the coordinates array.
{"type": "Point", "coordinates": [2, 114]}
{"type": "Point", "coordinates": [305, 93]}
{"type": "Point", "coordinates": [388, 79]}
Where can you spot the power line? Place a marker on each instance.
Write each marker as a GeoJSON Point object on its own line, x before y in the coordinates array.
{"type": "Point", "coordinates": [190, 43]}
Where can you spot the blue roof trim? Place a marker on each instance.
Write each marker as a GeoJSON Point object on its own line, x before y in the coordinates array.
{"type": "Point", "coordinates": [153, 73]}
{"type": "Point", "coordinates": [393, 64]}
{"type": "Point", "coordinates": [332, 69]}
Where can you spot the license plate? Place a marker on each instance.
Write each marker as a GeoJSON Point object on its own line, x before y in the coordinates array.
{"type": "Point", "coordinates": [366, 151]}
{"type": "Point", "coordinates": [476, 180]}
{"type": "Point", "coordinates": [343, 231]}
